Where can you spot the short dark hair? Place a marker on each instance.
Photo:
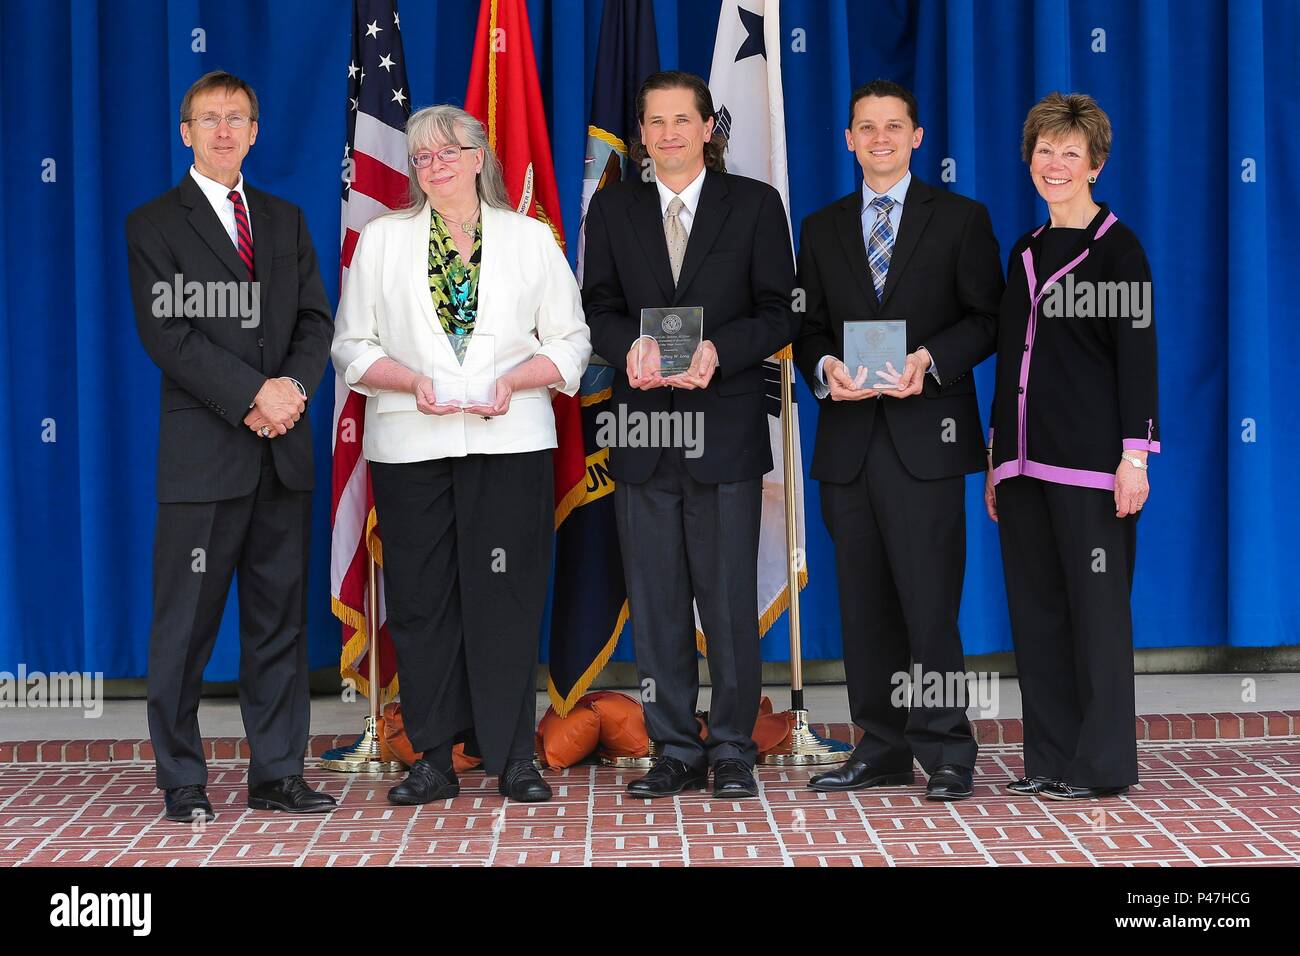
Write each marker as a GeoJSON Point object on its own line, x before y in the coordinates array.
{"type": "Point", "coordinates": [680, 80]}
{"type": "Point", "coordinates": [884, 88]}
{"type": "Point", "coordinates": [217, 80]}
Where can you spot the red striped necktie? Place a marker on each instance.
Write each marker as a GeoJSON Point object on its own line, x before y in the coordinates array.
{"type": "Point", "coordinates": [244, 235]}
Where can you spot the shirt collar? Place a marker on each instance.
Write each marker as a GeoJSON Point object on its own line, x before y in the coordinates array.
{"type": "Point", "coordinates": [896, 192]}
{"type": "Point", "coordinates": [216, 192]}
{"type": "Point", "coordinates": [690, 196]}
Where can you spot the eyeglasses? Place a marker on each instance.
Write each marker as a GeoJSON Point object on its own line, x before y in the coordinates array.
{"type": "Point", "coordinates": [448, 154]}
{"type": "Point", "coordinates": [213, 120]}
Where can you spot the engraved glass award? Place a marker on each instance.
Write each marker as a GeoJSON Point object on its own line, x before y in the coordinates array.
{"type": "Point", "coordinates": [875, 352]}
{"type": "Point", "coordinates": [474, 381]}
{"type": "Point", "coordinates": [677, 333]}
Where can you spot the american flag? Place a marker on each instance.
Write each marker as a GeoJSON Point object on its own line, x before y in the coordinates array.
{"type": "Point", "coordinates": [374, 182]}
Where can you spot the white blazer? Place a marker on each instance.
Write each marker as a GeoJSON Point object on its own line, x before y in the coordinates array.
{"type": "Point", "coordinates": [528, 301]}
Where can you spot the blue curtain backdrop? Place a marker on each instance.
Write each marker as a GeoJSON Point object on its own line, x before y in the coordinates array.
{"type": "Point", "coordinates": [1205, 101]}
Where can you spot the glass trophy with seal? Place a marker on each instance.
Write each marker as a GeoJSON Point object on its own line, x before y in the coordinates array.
{"type": "Point", "coordinates": [674, 334]}
{"type": "Point", "coordinates": [875, 352]}
{"type": "Point", "coordinates": [474, 383]}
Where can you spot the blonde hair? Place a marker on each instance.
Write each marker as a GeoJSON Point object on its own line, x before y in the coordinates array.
{"type": "Point", "coordinates": [446, 125]}
{"type": "Point", "coordinates": [1057, 115]}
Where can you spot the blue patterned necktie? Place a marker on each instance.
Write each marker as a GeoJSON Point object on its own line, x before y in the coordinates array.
{"type": "Point", "coordinates": [881, 243]}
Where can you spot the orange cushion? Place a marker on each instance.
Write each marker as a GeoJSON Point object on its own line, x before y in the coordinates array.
{"type": "Point", "coordinates": [565, 741]}
{"type": "Point", "coordinates": [622, 724]}
{"type": "Point", "coordinates": [395, 745]}
{"type": "Point", "coordinates": [393, 742]}
{"type": "Point", "coordinates": [460, 763]}
{"type": "Point", "coordinates": [770, 731]}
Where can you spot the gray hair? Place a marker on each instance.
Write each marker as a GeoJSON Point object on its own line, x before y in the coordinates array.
{"type": "Point", "coordinates": [444, 125]}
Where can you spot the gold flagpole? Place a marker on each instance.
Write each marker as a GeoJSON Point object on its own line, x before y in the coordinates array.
{"type": "Point", "coordinates": [803, 746]}
{"type": "Point", "coordinates": [364, 754]}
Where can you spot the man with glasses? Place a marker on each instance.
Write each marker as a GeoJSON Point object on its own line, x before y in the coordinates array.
{"type": "Point", "coordinates": [235, 475]}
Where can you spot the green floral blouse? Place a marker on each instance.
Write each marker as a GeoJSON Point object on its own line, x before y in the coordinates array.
{"type": "Point", "coordinates": [453, 283]}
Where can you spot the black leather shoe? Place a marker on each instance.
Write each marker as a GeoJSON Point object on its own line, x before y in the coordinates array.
{"type": "Point", "coordinates": [1028, 785]}
{"type": "Point", "coordinates": [425, 782]}
{"type": "Point", "coordinates": [667, 777]}
{"type": "Point", "coordinates": [950, 782]}
{"type": "Point", "coordinates": [856, 775]}
{"type": "Point", "coordinates": [187, 804]}
{"type": "Point", "coordinates": [289, 795]}
{"type": "Point", "coordinates": [733, 779]}
{"type": "Point", "coordinates": [521, 782]}
{"type": "Point", "coordinates": [1060, 790]}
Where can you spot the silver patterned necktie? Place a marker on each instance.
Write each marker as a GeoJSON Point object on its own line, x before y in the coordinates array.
{"type": "Point", "coordinates": [675, 236]}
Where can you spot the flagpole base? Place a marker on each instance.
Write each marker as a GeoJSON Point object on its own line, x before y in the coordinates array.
{"type": "Point", "coordinates": [805, 747]}
{"type": "Point", "coordinates": [633, 763]}
{"type": "Point", "coordinates": [361, 756]}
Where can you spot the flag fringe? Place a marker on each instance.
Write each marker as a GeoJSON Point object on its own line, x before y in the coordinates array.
{"type": "Point", "coordinates": [492, 76]}
{"type": "Point", "coordinates": [572, 498]}
{"type": "Point", "coordinates": [780, 604]}
{"type": "Point", "coordinates": [555, 232]}
{"type": "Point", "coordinates": [373, 542]}
{"type": "Point", "coordinates": [564, 704]}
{"type": "Point", "coordinates": [609, 139]}
{"type": "Point", "coordinates": [355, 649]}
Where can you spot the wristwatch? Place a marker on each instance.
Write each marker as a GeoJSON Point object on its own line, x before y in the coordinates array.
{"type": "Point", "coordinates": [1137, 463]}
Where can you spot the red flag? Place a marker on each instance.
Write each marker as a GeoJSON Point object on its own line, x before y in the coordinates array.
{"type": "Point", "coordinates": [504, 93]}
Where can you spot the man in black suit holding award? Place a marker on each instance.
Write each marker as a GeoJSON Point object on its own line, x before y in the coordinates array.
{"type": "Point", "coordinates": [891, 460]}
{"type": "Point", "coordinates": [692, 238]}
{"type": "Point", "coordinates": [234, 473]}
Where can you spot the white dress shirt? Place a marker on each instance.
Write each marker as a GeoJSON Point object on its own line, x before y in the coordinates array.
{"type": "Point", "coordinates": [690, 197]}
{"type": "Point", "coordinates": [218, 195]}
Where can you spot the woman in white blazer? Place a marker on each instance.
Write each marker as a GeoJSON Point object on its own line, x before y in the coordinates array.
{"type": "Point", "coordinates": [458, 289]}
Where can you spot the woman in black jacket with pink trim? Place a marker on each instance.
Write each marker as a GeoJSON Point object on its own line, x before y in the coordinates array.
{"type": "Point", "coordinates": [1074, 420]}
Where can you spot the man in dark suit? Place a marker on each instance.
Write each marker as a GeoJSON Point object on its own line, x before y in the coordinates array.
{"type": "Point", "coordinates": [891, 461]}
{"type": "Point", "coordinates": [229, 304]}
{"type": "Point", "coordinates": [688, 520]}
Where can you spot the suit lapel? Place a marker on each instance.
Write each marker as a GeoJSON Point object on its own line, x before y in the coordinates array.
{"type": "Point", "coordinates": [648, 227]}
{"type": "Point", "coordinates": [263, 246]}
{"type": "Point", "coordinates": [710, 213]}
{"type": "Point", "coordinates": [848, 224]}
{"type": "Point", "coordinates": [205, 222]}
{"type": "Point", "coordinates": [916, 213]}
{"type": "Point", "coordinates": [418, 270]}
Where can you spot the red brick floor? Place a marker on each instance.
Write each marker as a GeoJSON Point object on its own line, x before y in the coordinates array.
{"type": "Point", "coordinates": [1223, 802]}
{"type": "Point", "coordinates": [1009, 730]}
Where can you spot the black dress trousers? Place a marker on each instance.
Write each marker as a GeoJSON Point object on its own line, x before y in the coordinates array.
{"type": "Point", "coordinates": [1069, 574]}
{"type": "Point", "coordinates": [685, 540]}
{"type": "Point", "coordinates": [900, 557]}
{"type": "Point", "coordinates": [198, 546]}
{"type": "Point", "coordinates": [467, 557]}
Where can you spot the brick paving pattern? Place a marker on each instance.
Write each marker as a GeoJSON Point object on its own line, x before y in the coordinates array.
{"type": "Point", "coordinates": [1223, 802]}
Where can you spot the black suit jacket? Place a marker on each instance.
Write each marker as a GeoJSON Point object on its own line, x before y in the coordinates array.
{"type": "Point", "coordinates": [738, 266]}
{"type": "Point", "coordinates": [213, 366]}
{"type": "Point", "coordinates": [945, 279]}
